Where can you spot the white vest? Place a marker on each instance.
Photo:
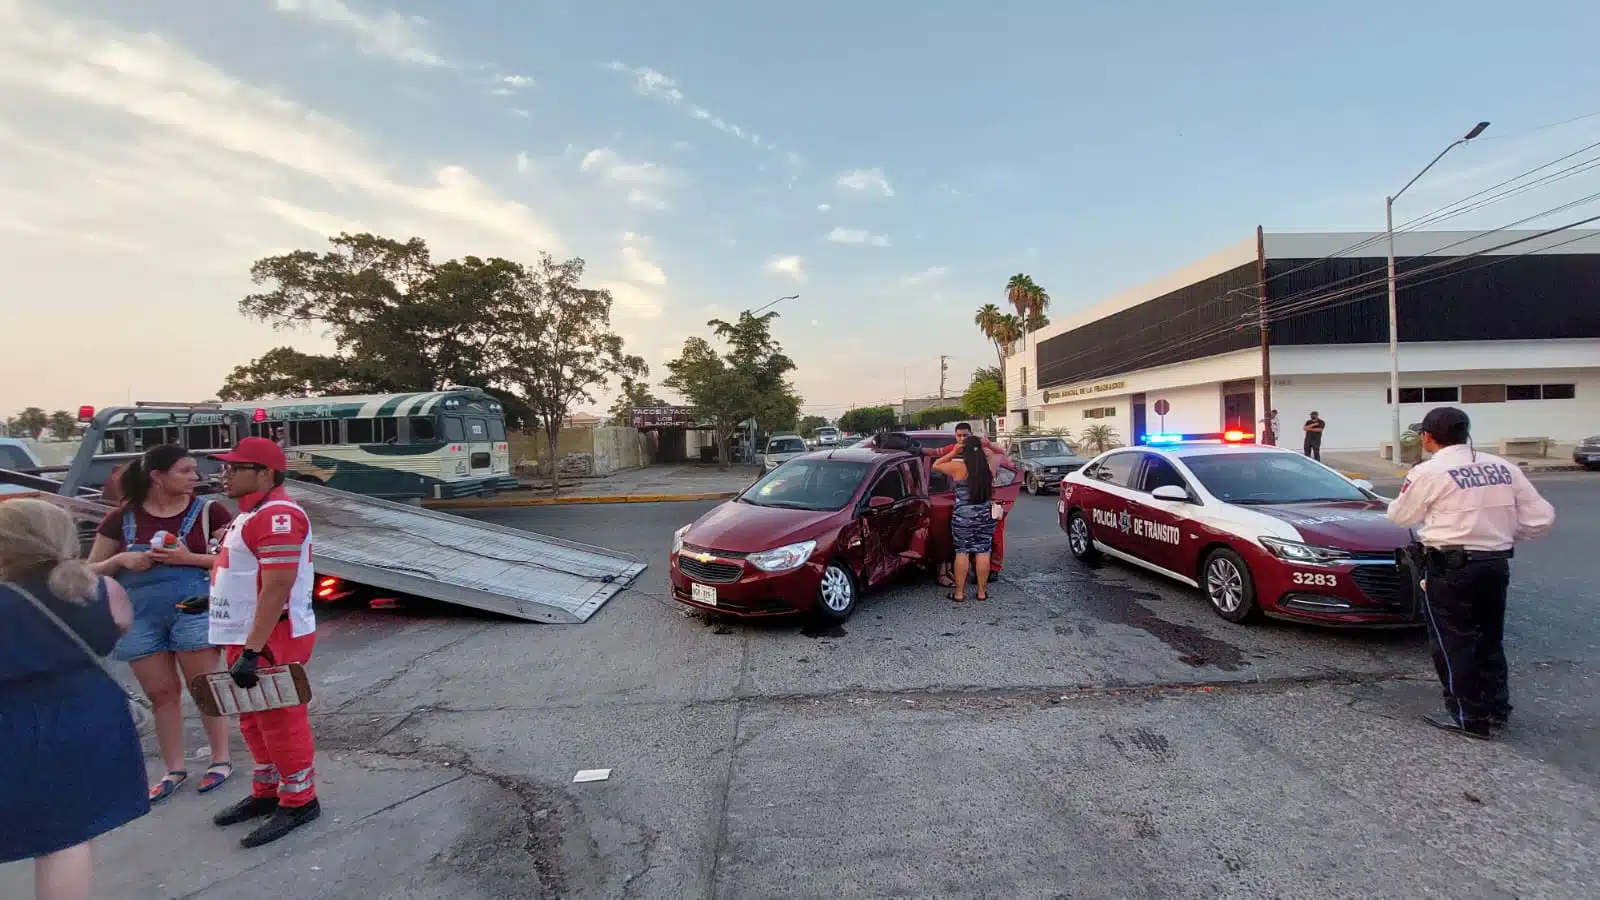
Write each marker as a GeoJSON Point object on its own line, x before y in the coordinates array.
{"type": "Point", "coordinates": [236, 586]}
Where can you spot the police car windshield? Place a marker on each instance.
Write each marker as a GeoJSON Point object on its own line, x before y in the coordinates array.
{"type": "Point", "coordinates": [1261, 478]}
{"type": "Point", "coordinates": [814, 484]}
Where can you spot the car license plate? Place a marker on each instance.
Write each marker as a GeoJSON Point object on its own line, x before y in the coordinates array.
{"type": "Point", "coordinates": [703, 593]}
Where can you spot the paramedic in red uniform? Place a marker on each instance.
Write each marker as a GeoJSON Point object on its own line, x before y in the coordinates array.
{"type": "Point", "coordinates": [261, 614]}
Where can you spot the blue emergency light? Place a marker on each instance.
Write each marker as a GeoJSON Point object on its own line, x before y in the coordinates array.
{"type": "Point", "coordinates": [1213, 437]}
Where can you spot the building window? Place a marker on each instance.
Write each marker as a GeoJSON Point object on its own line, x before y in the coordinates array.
{"type": "Point", "coordinates": [1439, 395]}
{"type": "Point", "coordinates": [1541, 391]}
{"type": "Point", "coordinates": [1100, 412]}
{"type": "Point", "coordinates": [1483, 393]}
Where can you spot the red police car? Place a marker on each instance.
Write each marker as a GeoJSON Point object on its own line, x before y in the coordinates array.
{"type": "Point", "coordinates": [1260, 530]}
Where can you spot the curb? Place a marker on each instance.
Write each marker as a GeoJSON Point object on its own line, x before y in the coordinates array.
{"type": "Point", "coordinates": [509, 502]}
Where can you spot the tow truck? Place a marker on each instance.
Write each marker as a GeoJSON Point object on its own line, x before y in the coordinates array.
{"type": "Point", "coordinates": [364, 544]}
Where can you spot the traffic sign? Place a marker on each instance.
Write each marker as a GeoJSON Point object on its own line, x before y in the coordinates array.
{"type": "Point", "coordinates": [1163, 407]}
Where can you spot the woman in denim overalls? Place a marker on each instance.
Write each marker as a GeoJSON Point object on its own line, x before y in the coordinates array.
{"type": "Point", "coordinates": [164, 641]}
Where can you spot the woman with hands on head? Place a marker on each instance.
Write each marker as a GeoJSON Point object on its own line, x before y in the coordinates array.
{"type": "Point", "coordinates": [972, 467]}
{"type": "Point", "coordinates": [158, 545]}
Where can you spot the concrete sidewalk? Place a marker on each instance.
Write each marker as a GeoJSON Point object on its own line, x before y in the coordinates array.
{"type": "Point", "coordinates": [652, 484]}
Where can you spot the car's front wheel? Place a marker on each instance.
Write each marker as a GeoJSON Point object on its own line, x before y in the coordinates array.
{"type": "Point", "coordinates": [1229, 586]}
{"type": "Point", "coordinates": [1079, 540]}
{"type": "Point", "coordinates": [1032, 484]}
{"type": "Point", "coordinates": [837, 595]}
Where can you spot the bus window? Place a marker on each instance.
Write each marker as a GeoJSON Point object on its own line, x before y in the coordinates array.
{"type": "Point", "coordinates": [422, 429]}
{"type": "Point", "coordinates": [372, 431]}
{"type": "Point", "coordinates": [152, 437]}
{"type": "Point", "coordinates": [497, 430]}
{"type": "Point", "coordinates": [314, 432]}
{"type": "Point", "coordinates": [453, 431]}
{"type": "Point", "coordinates": [207, 437]}
{"type": "Point", "coordinates": [477, 430]}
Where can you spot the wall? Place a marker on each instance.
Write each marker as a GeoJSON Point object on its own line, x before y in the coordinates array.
{"type": "Point", "coordinates": [1193, 388]}
{"type": "Point", "coordinates": [582, 451]}
{"type": "Point", "coordinates": [1358, 413]}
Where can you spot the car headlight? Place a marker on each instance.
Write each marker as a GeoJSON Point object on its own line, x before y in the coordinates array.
{"type": "Point", "coordinates": [677, 539]}
{"type": "Point", "coordinates": [782, 559]}
{"type": "Point", "coordinates": [1296, 552]}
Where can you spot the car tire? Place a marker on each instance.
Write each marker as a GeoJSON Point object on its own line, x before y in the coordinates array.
{"type": "Point", "coordinates": [1030, 483]}
{"type": "Point", "coordinates": [1080, 540]}
{"type": "Point", "coordinates": [1229, 587]}
{"type": "Point", "coordinates": [838, 593]}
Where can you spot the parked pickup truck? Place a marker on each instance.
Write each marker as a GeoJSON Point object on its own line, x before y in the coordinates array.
{"type": "Point", "coordinates": [17, 456]}
{"type": "Point", "coordinates": [813, 534]}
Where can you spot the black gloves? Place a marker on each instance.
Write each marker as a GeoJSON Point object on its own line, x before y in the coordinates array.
{"type": "Point", "coordinates": [243, 669]}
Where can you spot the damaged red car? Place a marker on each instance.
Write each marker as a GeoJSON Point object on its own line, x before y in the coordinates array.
{"type": "Point", "coordinates": [812, 535]}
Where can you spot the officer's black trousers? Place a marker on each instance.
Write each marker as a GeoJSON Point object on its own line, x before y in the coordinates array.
{"type": "Point", "coordinates": [1466, 613]}
{"type": "Point", "coordinates": [1313, 447]}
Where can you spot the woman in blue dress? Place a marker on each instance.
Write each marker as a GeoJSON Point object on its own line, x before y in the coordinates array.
{"type": "Point", "coordinates": [972, 467]}
{"type": "Point", "coordinates": [71, 768]}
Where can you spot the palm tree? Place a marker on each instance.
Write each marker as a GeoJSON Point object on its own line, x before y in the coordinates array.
{"type": "Point", "coordinates": [988, 319]}
{"type": "Point", "coordinates": [1007, 330]}
{"type": "Point", "coordinates": [1036, 321]}
{"type": "Point", "coordinates": [1100, 438]}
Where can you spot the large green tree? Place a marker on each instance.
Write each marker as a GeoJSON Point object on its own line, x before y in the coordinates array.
{"type": "Point", "coordinates": [63, 425]}
{"type": "Point", "coordinates": [810, 424]}
{"type": "Point", "coordinates": [749, 379]}
{"type": "Point", "coordinates": [562, 349]}
{"type": "Point", "coordinates": [983, 399]}
{"type": "Point", "coordinates": [868, 419]}
{"type": "Point", "coordinates": [29, 423]}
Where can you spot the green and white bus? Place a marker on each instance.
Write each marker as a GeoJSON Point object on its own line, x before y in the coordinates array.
{"type": "Point", "coordinates": [436, 444]}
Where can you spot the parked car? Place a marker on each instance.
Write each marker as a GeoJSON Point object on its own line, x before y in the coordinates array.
{"type": "Point", "coordinates": [1587, 453]}
{"type": "Point", "coordinates": [780, 449]}
{"type": "Point", "coordinates": [1044, 462]}
{"type": "Point", "coordinates": [1259, 529]}
{"type": "Point", "coordinates": [810, 536]}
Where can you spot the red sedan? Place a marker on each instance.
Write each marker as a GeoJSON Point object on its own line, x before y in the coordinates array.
{"type": "Point", "coordinates": [813, 534]}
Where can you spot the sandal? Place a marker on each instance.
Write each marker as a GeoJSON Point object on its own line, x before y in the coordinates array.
{"type": "Point", "coordinates": [947, 581]}
{"type": "Point", "coordinates": [216, 775]}
{"type": "Point", "coordinates": [168, 785]}
{"type": "Point", "coordinates": [952, 596]}
{"type": "Point", "coordinates": [983, 596]}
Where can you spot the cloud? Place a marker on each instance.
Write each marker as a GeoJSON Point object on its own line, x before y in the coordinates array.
{"type": "Point", "coordinates": [506, 85]}
{"type": "Point", "coordinates": [866, 181]}
{"type": "Point", "coordinates": [788, 266]}
{"type": "Point", "coordinates": [641, 270]}
{"type": "Point", "coordinates": [824, 207]}
{"type": "Point", "coordinates": [524, 164]}
{"type": "Point", "coordinates": [387, 33]}
{"type": "Point", "coordinates": [648, 82]}
{"type": "Point", "coordinates": [933, 273]}
{"type": "Point", "coordinates": [634, 301]}
{"type": "Point", "coordinates": [646, 200]}
{"type": "Point", "coordinates": [858, 236]}
{"type": "Point", "coordinates": [610, 165]}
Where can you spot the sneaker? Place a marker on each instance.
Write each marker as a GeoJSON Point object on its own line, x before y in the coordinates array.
{"type": "Point", "coordinates": [245, 810]}
{"type": "Point", "coordinates": [283, 821]}
{"type": "Point", "coordinates": [1466, 729]}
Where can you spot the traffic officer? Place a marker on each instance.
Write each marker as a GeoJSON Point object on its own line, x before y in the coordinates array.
{"type": "Point", "coordinates": [1472, 507]}
{"type": "Point", "coordinates": [261, 615]}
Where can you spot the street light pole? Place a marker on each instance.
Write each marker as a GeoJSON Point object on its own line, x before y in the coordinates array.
{"type": "Point", "coordinates": [775, 303]}
{"type": "Point", "coordinates": [1394, 314]}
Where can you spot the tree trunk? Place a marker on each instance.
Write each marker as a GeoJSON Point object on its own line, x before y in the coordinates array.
{"type": "Point", "coordinates": [725, 446]}
{"type": "Point", "coordinates": [551, 432]}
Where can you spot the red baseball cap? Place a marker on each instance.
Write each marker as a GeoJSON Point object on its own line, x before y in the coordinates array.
{"type": "Point", "coordinates": [257, 451]}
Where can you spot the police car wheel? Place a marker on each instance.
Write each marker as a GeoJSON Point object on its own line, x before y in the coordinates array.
{"type": "Point", "coordinates": [1226, 579]}
{"type": "Point", "coordinates": [836, 596]}
{"type": "Point", "coordinates": [1079, 539]}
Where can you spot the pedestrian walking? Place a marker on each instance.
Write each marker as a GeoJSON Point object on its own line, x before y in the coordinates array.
{"type": "Point", "coordinates": [71, 768]}
{"type": "Point", "coordinates": [1471, 508]}
{"type": "Point", "coordinates": [157, 545]}
{"type": "Point", "coordinates": [1313, 428]}
{"type": "Point", "coordinates": [261, 613]}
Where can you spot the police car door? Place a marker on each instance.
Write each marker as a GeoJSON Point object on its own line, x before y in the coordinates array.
{"type": "Point", "coordinates": [1161, 528]}
{"type": "Point", "coordinates": [1109, 519]}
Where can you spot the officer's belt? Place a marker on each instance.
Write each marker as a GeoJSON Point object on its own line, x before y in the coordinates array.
{"type": "Point", "coordinates": [1466, 555]}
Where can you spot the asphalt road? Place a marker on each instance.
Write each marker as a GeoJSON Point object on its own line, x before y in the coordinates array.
{"type": "Point", "coordinates": [1084, 733]}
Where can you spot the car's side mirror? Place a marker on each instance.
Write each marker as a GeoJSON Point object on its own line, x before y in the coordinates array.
{"type": "Point", "coordinates": [1362, 483]}
{"type": "Point", "coordinates": [880, 502]}
{"type": "Point", "coordinates": [1170, 492]}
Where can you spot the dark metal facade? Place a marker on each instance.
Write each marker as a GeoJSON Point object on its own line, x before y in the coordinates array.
{"type": "Point", "coordinates": [1486, 298]}
{"type": "Point", "coordinates": [1216, 315]}
{"type": "Point", "coordinates": [1337, 301]}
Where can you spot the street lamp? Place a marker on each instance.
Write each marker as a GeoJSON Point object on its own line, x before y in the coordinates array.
{"type": "Point", "coordinates": [776, 302]}
{"type": "Point", "coordinates": [1394, 328]}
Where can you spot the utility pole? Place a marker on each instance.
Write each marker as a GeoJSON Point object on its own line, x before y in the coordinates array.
{"type": "Point", "coordinates": [1266, 336]}
{"type": "Point", "coordinates": [944, 367]}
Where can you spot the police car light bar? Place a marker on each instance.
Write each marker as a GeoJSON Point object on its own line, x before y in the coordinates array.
{"type": "Point", "coordinates": [1214, 437]}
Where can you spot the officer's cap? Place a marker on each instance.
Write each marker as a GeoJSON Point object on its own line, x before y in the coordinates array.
{"type": "Point", "coordinates": [1447, 424]}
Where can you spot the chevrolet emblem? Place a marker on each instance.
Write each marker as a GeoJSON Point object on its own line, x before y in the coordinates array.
{"type": "Point", "coordinates": [705, 557]}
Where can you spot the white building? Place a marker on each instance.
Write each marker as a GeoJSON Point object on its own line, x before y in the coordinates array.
{"type": "Point", "coordinates": [1509, 332]}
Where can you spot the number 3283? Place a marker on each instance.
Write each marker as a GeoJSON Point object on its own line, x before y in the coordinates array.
{"type": "Point", "coordinates": [1319, 579]}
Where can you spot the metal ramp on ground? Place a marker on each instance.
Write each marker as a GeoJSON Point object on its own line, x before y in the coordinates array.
{"type": "Point", "coordinates": [429, 554]}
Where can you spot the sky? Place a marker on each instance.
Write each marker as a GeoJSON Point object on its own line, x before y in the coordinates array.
{"type": "Point", "coordinates": [892, 163]}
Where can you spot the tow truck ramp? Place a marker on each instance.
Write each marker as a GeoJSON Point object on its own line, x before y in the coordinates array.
{"type": "Point", "coordinates": [416, 551]}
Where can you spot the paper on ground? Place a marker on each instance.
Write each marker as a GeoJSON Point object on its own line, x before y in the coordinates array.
{"type": "Point", "coordinates": [591, 775]}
